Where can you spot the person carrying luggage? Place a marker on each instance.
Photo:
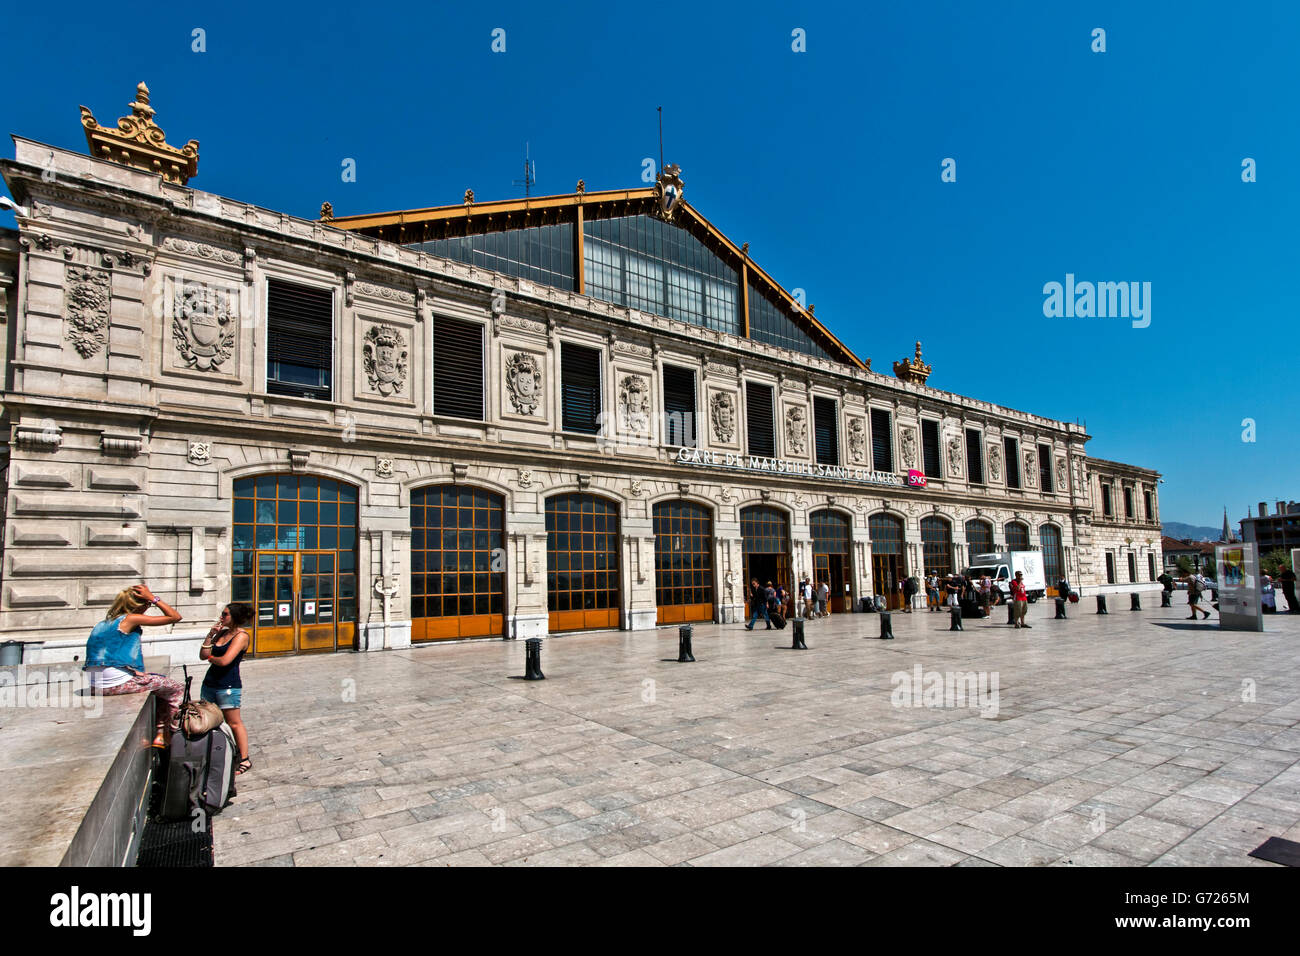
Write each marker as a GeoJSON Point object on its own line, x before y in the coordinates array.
{"type": "Point", "coordinates": [115, 660]}
{"type": "Point", "coordinates": [757, 605]}
{"type": "Point", "coordinates": [224, 649]}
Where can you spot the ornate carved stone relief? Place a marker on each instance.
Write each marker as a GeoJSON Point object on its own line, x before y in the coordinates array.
{"type": "Point", "coordinates": [1060, 474]}
{"type": "Point", "coordinates": [858, 440]}
{"type": "Point", "coordinates": [383, 356]}
{"type": "Point", "coordinates": [524, 382]}
{"type": "Point", "coordinates": [385, 292]}
{"type": "Point", "coordinates": [796, 429]}
{"type": "Point", "coordinates": [204, 323]}
{"type": "Point", "coordinates": [908, 442]}
{"type": "Point", "coordinates": [200, 452]}
{"type": "Point", "coordinates": [722, 414]}
{"type": "Point", "coordinates": [954, 456]}
{"type": "Point", "coordinates": [1031, 469]}
{"type": "Point", "coordinates": [201, 250]}
{"type": "Point", "coordinates": [634, 404]}
{"type": "Point", "coordinates": [383, 467]}
{"type": "Point", "coordinates": [88, 298]}
{"type": "Point", "coordinates": [995, 462]}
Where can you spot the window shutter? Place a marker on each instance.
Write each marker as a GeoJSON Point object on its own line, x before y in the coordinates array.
{"type": "Point", "coordinates": [1011, 449]}
{"type": "Point", "coordinates": [299, 340]}
{"type": "Point", "coordinates": [580, 388]}
{"type": "Point", "coordinates": [974, 456]}
{"type": "Point", "coordinates": [679, 406]}
{"type": "Point", "coordinates": [882, 440]}
{"type": "Point", "coordinates": [758, 415]}
{"type": "Point", "coordinates": [930, 449]}
{"type": "Point", "coordinates": [457, 368]}
{"type": "Point", "coordinates": [826, 424]}
{"type": "Point", "coordinates": [1045, 468]}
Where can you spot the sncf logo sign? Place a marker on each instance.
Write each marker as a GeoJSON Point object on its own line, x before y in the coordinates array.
{"type": "Point", "coordinates": [915, 479]}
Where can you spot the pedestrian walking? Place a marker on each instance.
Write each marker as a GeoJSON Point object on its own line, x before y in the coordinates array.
{"type": "Point", "coordinates": [224, 649]}
{"type": "Point", "coordinates": [1195, 589]}
{"type": "Point", "coordinates": [115, 658]}
{"type": "Point", "coordinates": [910, 587]}
{"type": "Point", "coordinates": [1020, 600]}
{"type": "Point", "coordinates": [932, 592]}
{"type": "Point", "coordinates": [757, 605]}
{"type": "Point", "coordinates": [1287, 579]}
{"type": "Point", "coordinates": [823, 598]}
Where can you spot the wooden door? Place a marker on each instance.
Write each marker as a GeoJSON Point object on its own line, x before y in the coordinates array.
{"type": "Point", "coordinates": [296, 602]}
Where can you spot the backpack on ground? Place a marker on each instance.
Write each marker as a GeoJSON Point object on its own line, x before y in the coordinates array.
{"type": "Point", "coordinates": [200, 771]}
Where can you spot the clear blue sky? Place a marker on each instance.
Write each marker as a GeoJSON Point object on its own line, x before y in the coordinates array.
{"type": "Point", "coordinates": [1115, 166]}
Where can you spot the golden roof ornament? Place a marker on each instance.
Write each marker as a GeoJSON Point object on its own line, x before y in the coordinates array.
{"type": "Point", "coordinates": [140, 143]}
{"type": "Point", "coordinates": [913, 370]}
{"type": "Point", "coordinates": [581, 188]}
{"type": "Point", "coordinates": [326, 211]}
{"type": "Point", "coordinates": [668, 189]}
{"type": "Point", "coordinates": [469, 197]}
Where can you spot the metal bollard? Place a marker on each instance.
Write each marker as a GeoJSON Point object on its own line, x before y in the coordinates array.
{"type": "Point", "coordinates": [1164, 599]}
{"type": "Point", "coordinates": [1011, 612]}
{"type": "Point", "coordinates": [796, 632]}
{"type": "Point", "coordinates": [954, 616]}
{"type": "Point", "coordinates": [1060, 609]}
{"type": "Point", "coordinates": [1136, 601]}
{"type": "Point", "coordinates": [886, 626]}
{"type": "Point", "coordinates": [684, 654]}
{"type": "Point", "coordinates": [533, 659]}
{"type": "Point", "coordinates": [1101, 604]}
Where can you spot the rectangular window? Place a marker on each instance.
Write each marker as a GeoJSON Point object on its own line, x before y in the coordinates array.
{"type": "Point", "coordinates": [679, 406]}
{"type": "Point", "coordinates": [758, 413]}
{"type": "Point", "coordinates": [580, 388]}
{"type": "Point", "coordinates": [975, 456]}
{"type": "Point", "coordinates": [1045, 468]}
{"type": "Point", "coordinates": [1106, 508]}
{"type": "Point", "coordinates": [1110, 567]}
{"type": "Point", "coordinates": [1132, 568]}
{"type": "Point", "coordinates": [1128, 503]}
{"type": "Point", "coordinates": [1146, 501]}
{"type": "Point", "coordinates": [1011, 449]}
{"type": "Point", "coordinates": [1151, 565]}
{"type": "Point", "coordinates": [882, 440]}
{"type": "Point", "coordinates": [826, 424]}
{"type": "Point", "coordinates": [457, 368]}
{"type": "Point", "coordinates": [299, 340]}
{"type": "Point", "coordinates": [930, 452]}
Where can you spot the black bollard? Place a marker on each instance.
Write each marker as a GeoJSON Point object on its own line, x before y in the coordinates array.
{"type": "Point", "coordinates": [533, 659]}
{"type": "Point", "coordinates": [796, 632]}
{"type": "Point", "coordinates": [954, 616]}
{"type": "Point", "coordinates": [1135, 600]}
{"type": "Point", "coordinates": [1060, 609]}
{"type": "Point", "coordinates": [1101, 604]}
{"type": "Point", "coordinates": [1011, 612]}
{"type": "Point", "coordinates": [684, 654]}
{"type": "Point", "coordinates": [886, 626]}
{"type": "Point", "coordinates": [1164, 599]}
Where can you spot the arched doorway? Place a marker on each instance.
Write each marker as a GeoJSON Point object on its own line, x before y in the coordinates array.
{"type": "Point", "coordinates": [294, 558]}
{"type": "Point", "coordinates": [887, 566]}
{"type": "Point", "coordinates": [830, 545]}
{"type": "Point", "coordinates": [765, 543]}
{"type": "Point", "coordinates": [1049, 538]}
{"type": "Point", "coordinates": [979, 538]}
{"type": "Point", "coordinates": [582, 562]}
{"type": "Point", "coordinates": [1017, 536]}
{"type": "Point", "coordinates": [936, 545]}
{"type": "Point", "coordinates": [683, 562]}
{"type": "Point", "coordinates": [457, 563]}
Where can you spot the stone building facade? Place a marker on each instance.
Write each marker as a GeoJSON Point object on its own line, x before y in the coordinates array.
{"type": "Point", "coordinates": [150, 434]}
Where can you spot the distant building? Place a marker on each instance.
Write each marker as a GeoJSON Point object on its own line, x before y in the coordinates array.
{"type": "Point", "coordinates": [1174, 548]}
{"type": "Point", "coordinates": [1281, 529]}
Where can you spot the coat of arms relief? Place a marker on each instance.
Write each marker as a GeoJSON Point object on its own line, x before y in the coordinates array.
{"type": "Point", "coordinates": [634, 404]}
{"type": "Point", "coordinates": [796, 429]}
{"type": "Point", "coordinates": [722, 411]}
{"type": "Point", "coordinates": [524, 383]}
{"type": "Point", "coordinates": [858, 440]}
{"type": "Point", "coordinates": [383, 356]}
{"type": "Point", "coordinates": [203, 324]}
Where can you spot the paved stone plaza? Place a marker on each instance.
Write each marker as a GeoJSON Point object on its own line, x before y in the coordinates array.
{"type": "Point", "coordinates": [1118, 740]}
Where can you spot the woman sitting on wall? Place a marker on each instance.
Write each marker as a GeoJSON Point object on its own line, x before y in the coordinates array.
{"type": "Point", "coordinates": [115, 659]}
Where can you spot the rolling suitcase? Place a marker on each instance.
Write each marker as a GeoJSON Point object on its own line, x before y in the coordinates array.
{"type": "Point", "coordinates": [778, 620]}
{"type": "Point", "coordinates": [200, 771]}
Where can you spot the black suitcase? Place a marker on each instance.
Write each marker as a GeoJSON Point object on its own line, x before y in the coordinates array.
{"type": "Point", "coordinates": [778, 620]}
{"type": "Point", "coordinates": [200, 771]}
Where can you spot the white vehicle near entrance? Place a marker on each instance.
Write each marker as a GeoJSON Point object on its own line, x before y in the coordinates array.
{"type": "Point", "coordinates": [1002, 566]}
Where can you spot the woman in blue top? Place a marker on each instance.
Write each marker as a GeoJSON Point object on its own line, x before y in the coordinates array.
{"type": "Point", "coordinates": [224, 648]}
{"type": "Point", "coordinates": [115, 660]}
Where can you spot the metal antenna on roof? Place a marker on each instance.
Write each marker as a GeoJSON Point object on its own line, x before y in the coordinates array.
{"type": "Point", "coordinates": [530, 174]}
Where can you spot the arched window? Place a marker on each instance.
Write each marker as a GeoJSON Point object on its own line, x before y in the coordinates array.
{"type": "Point", "coordinates": [457, 563]}
{"type": "Point", "coordinates": [979, 537]}
{"type": "Point", "coordinates": [1017, 536]}
{"type": "Point", "coordinates": [887, 567]}
{"type": "Point", "coordinates": [683, 562]}
{"type": "Point", "coordinates": [831, 554]}
{"type": "Point", "coordinates": [582, 562]}
{"type": "Point", "coordinates": [765, 545]}
{"type": "Point", "coordinates": [936, 544]}
{"type": "Point", "coordinates": [1049, 537]}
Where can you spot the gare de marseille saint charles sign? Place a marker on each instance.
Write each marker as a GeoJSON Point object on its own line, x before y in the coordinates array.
{"type": "Point", "coordinates": [734, 461]}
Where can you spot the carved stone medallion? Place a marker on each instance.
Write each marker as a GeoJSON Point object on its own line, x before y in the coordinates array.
{"type": "Point", "coordinates": [200, 452]}
{"type": "Point", "coordinates": [384, 358]}
{"type": "Point", "coordinates": [524, 383]}
{"type": "Point", "coordinates": [383, 467]}
{"type": "Point", "coordinates": [796, 429]}
{"type": "Point", "coordinates": [202, 324]}
{"type": "Point", "coordinates": [954, 456]}
{"type": "Point", "coordinates": [722, 412]}
{"type": "Point", "coordinates": [995, 463]}
{"type": "Point", "coordinates": [858, 440]}
{"type": "Point", "coordinates": [87, 309]}
{"type": "Point", "coordinates": [909, 447]}
{"type": "Point", "coordinates": [634, 404]}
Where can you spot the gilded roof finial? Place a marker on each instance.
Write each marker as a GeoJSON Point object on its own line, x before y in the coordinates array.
{"type": "Point", "coordinates": [913, 370]}
{"type": "Point", "coordinates": [469, 197]}
{"type": "Point", "coordinates": [581, 187]}
{"type": "Point", "coordinates": [326, 211]}
{"type": "Point", "coordinates": [137, 141]}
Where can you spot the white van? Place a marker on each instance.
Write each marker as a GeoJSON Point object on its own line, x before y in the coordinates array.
{"type": "Point", "coordinates": [1002, 566]}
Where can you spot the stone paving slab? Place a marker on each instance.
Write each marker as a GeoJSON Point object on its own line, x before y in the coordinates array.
{"type": "Point", "coordinates": [1118, 740]}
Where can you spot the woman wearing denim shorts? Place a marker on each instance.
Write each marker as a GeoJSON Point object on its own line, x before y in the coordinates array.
{"type": "Point", "coordinates": [224, 648]}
